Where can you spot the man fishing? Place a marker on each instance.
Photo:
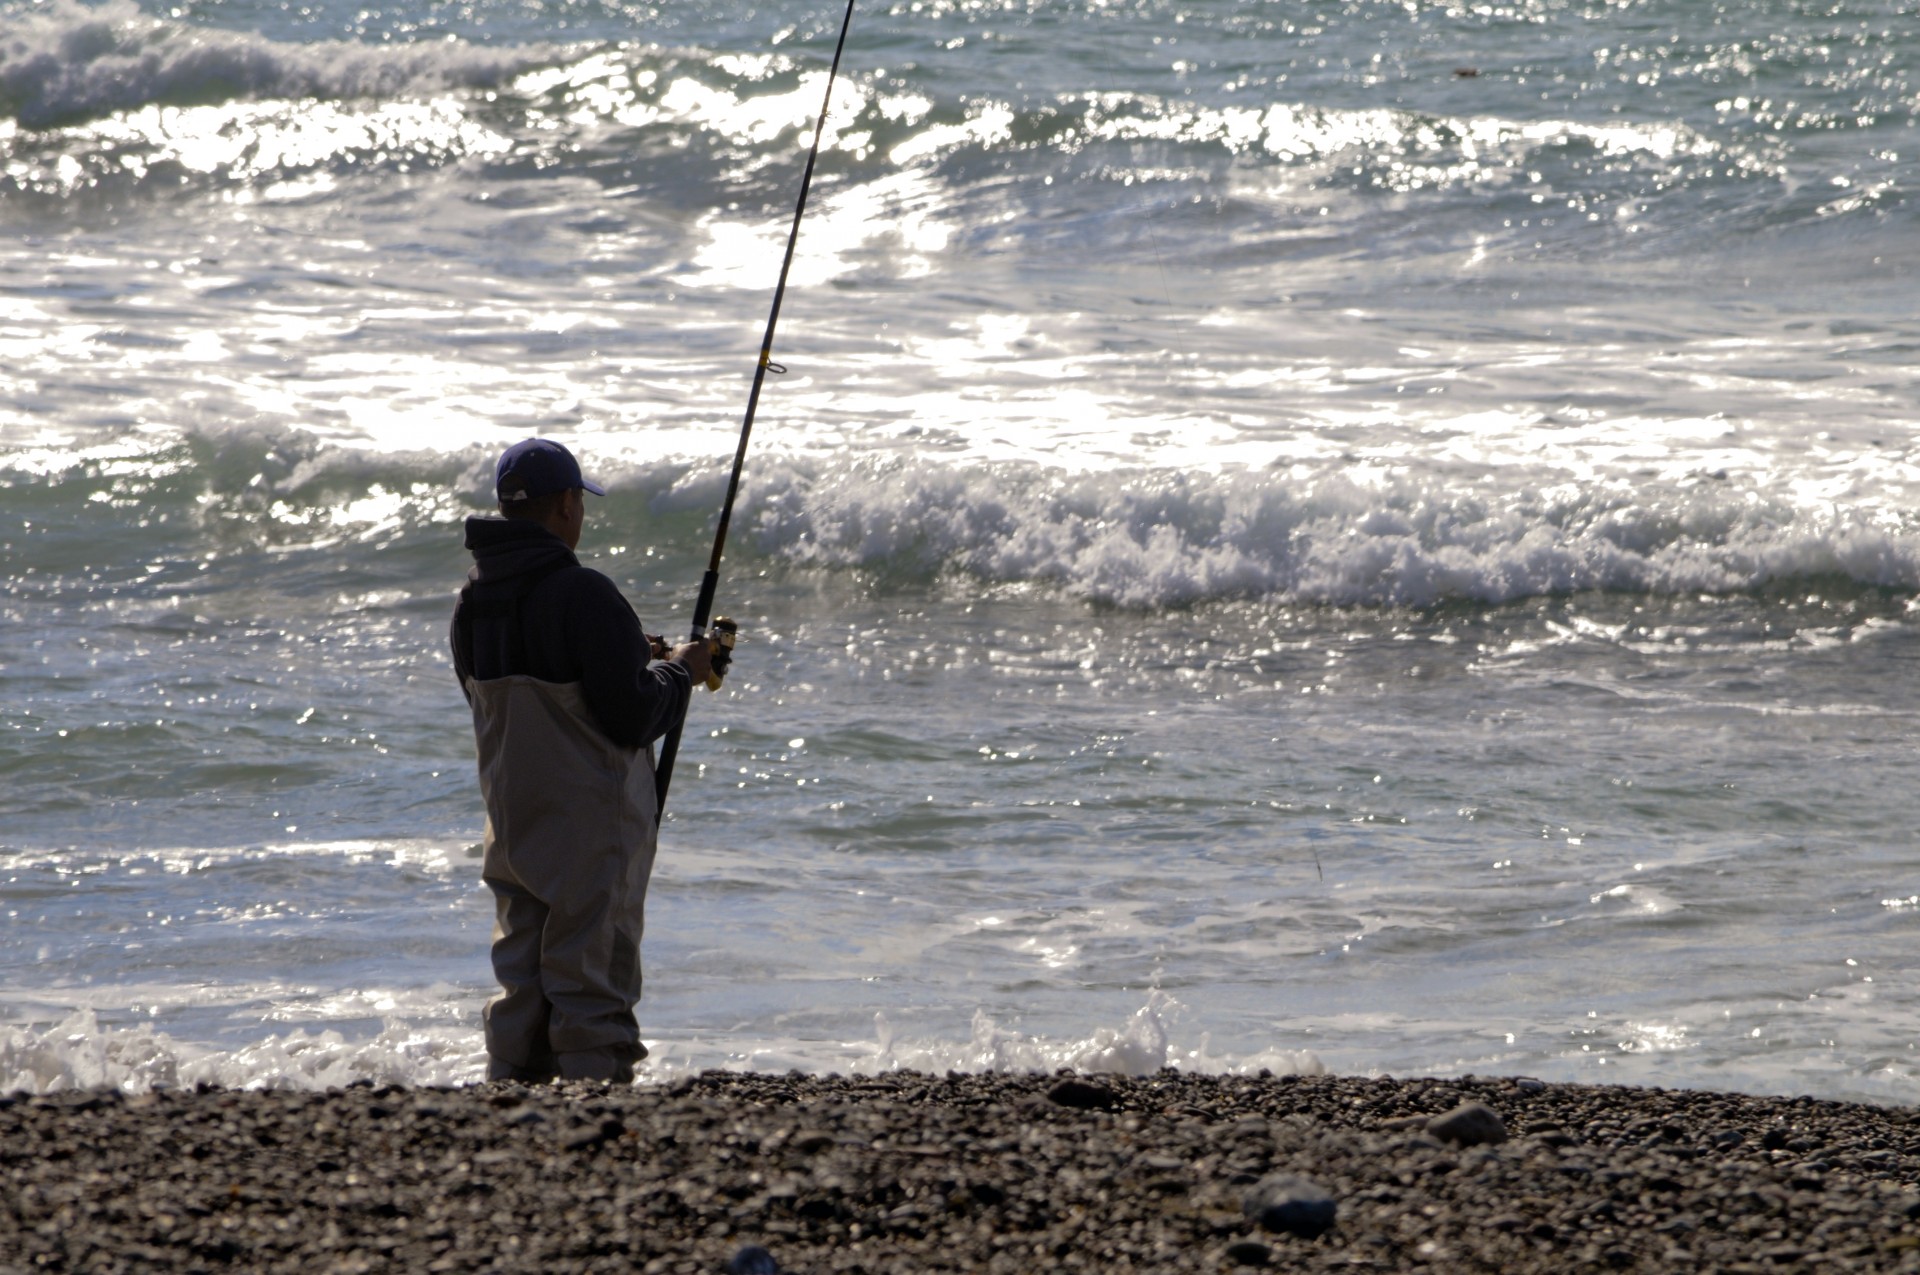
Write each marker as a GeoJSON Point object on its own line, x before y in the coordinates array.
{"type": "Point", "coordinates": [568, 696]}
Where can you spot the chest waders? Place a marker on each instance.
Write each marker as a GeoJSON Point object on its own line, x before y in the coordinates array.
{"type": "Point", "coordinates": [572, 829]}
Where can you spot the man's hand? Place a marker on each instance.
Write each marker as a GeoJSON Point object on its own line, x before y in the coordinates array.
{"type": "Point", "coordinates": [696, 658]}
{"type": "Point", "coordinates": [656, 645]}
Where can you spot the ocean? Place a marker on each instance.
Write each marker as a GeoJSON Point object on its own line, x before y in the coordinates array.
{"type": "Point", "coordinates": [1368, 536]}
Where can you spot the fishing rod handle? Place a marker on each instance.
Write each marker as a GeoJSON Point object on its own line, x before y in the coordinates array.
{"type": "Point", "coordinates": [703, 605]}
{"type": "Point", "coordinates": [670, 743]}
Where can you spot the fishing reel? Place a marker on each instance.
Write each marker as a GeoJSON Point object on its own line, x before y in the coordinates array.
{"type": "Point", "coordinates": [720, 639]}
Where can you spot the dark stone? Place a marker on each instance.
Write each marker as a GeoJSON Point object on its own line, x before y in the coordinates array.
{"type": "Point", "coordinates": [752, 1260]}
{"type": "Point", "coordinates": [1082, 1095]}
{"type": "Point", "coordinates": [1248, 1253]}
{"type": "Point", "coordinates": [1471, 1124]}
{"type": "Point", "coordinates": [1292, 1205]}
{"type": "Point", "coordinates": [224, 1251]}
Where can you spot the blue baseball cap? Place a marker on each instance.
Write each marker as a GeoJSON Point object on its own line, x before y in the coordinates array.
{"type": "Point", "coordinates": [538, 467]}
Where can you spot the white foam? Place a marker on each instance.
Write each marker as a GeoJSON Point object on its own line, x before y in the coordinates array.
{"type": "Point", "coordinates": [1446, 150]}
{"type": "Point", "coordinates": [78, 1052]}
{"type": "Point", "coordinates": [428, 856]}
{"type": "Point", "coordinates": [65, 62]}
{"type": "Point", "coordinates": [1146, 538]}
{"type": "Point", "coordinates": [1637, 900]}
{"type": "Point", "coordinates": [1140, 534]}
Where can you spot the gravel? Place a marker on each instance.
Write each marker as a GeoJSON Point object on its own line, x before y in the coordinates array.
{"type": "Point", "coordinates": [910, 1172]}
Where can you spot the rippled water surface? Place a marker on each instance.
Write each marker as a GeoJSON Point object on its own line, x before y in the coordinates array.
{"type": "Point", "coordinates": [1373, 536]}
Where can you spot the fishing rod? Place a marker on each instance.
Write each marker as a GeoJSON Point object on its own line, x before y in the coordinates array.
{"type": "Point", "coordinates": [719, 633]}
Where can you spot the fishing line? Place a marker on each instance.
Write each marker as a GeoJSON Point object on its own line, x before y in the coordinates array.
{"type": "Point", "coordinates": [1159, 258]}
{"type": "Point", "coordinates": [719, 633]}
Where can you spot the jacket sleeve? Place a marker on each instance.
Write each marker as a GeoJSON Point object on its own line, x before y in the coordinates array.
{"type": "Point", "coordinates": [634, 699]}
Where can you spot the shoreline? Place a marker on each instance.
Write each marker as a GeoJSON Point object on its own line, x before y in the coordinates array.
{"type": "Point", "coordinates": [912, 1172]}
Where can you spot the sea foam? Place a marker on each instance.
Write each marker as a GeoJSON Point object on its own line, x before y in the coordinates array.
{"type": "Point", "coordinates": [65, 63]}
{"type": "Point", "coordinates": [79, 1052]}
{"type": "Point", "coordinates": [1152, 538]}
{"type": "Point", "coordinates": [1130, 536]}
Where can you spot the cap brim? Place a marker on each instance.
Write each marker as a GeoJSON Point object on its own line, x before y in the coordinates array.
{"type": "Point", "coordinates": [593, 487]}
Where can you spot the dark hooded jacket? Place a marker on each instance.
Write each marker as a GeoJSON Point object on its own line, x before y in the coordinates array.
{"type": "Point", "coordinates": [572, 626]}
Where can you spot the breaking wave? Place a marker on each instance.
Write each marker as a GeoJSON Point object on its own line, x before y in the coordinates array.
{"type": "Point", "coordinates": [1167, 538]}
{"type": "Point", "coordinates": [66, 63]}
{"type": "Point", "coordinates": [127, 93]}
{"type": "Point", "coordinates": [1132, 537]}
{"type": "Point", "coordinates": [80, 1053]}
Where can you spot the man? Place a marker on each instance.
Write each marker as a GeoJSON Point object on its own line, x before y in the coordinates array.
{"type": "Point", "coordinates": [567, 701]}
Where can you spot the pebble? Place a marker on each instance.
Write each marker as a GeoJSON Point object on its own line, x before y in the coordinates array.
{"type": "Point", "coordinates": [1291, 1204]}
{"type": "Point", "coordinates": [753, 1260]}
{"type": "Point", "coordinates": [1471, 1124]}
{"type": "Point", "coordinates": [910, 1173]}
{"type": "Point", "coordinates": [1081, 1094]}
{"type": "Point", "coordinates": [1248, 1253]}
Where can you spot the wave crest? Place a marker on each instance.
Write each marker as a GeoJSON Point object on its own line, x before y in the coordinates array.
{"type": "Point", "coordinates": [67, 63]}
{"type": "Point", "coordinates": [1172, 538]}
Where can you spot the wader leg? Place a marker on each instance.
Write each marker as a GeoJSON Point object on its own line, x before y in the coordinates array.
{"type": "Point", "coordinates": [516, 1020]}
{"type": "Point", "coordinates": [590, 973]}
{"type": "Point", "coordinates": [610, 1062]}
{"type": "Point", "coordinates": [498, 1070]}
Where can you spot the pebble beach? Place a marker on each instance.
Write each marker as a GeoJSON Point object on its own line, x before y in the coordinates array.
{"type": "Point", "coordinates": [914, 1172]}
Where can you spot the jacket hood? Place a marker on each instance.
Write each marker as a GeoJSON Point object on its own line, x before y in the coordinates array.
{"type": "Point", "coordinates": [504, 548]}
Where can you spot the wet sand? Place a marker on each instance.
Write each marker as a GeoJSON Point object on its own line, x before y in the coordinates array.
{"type": "Point", "coordinates": [909, 1172]}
